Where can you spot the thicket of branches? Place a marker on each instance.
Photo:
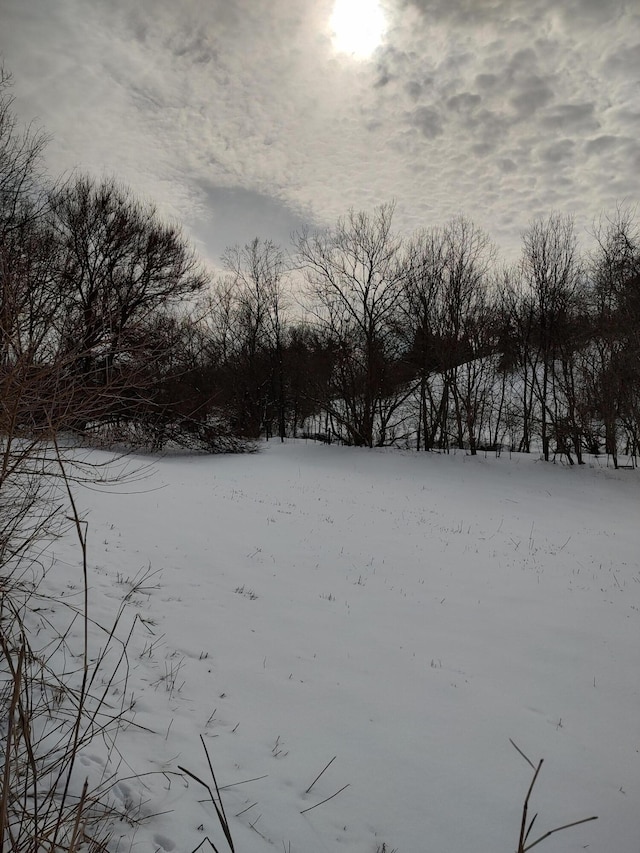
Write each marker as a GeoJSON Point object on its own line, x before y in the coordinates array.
{"type": "Point", "coordinates": [431, 342]}
{"type": "Point", "coordinates": [59, 370]}
{"type": "Point", "coordinates": [91, 280]}
{"type": "Point", "coordinates": [112, 329]}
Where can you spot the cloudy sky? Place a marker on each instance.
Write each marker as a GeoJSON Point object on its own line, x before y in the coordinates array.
{"type": "Point", "coordinates": [242, 118]}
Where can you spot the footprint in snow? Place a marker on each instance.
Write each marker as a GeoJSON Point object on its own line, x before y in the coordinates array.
{"type": "Point", "coordinates": [163, 842]}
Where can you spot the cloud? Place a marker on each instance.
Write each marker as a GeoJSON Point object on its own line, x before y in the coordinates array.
{"type": "Point", "coordinates": [514, 15]}
{"type": "Point", "coordinates": [531, 96]}
{"type": "Point", "coordinates": [558, 152]}
{"type": "Point", "coordinates": [495, 109]}
{"type": "Point", "coordinates": [428, 121]}
{"type": "Point", "coordinates": [262, 216]}
{"type": "Point", "coordinates": [601, 144]}
{"type": "Point", "coordinates": [487, 81]}
{"type": "Point", "coordinates": [624, 61]}
{"type": "Point", "coordinates": [571, 117]}
{"type": "Point", "coordinates": [464, 103]}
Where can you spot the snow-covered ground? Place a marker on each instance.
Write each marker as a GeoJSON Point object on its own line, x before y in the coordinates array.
{"type": "Point", "coordinates": [404, 613]}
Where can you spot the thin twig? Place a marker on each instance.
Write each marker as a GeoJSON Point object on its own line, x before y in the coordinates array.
{"type": "Point", "coordinates": [220, 813]}
{"type": "Point", "coordinates": [320, 774]}
{"type": "Point", "coordinates": [533, 820]}
{"type": "Point", "coordinates": [73, 846]}
{"type": "Point", "coordinates": [225, 822]}
{"type": "Point", "coordinates": [559, 829]}
{"type": "Point", "coordinates": [247, 809]}
{"type": "Point", "coordinates": [206, 840]}
{"type": "Point", "coordinates": [528, 760]}
{"type": "Point", "coordinates": [244, 782]}
{"type": "Point", "coordinates": [525, 831]}
{"type": "Point", "coordinates": [304, 811]}
{"type": "Point", "coordinates": [82, 693]}
{"type": "Point", "coordinates": [17, 679]}
{"type": "Point", "coordinates": [525, 807]}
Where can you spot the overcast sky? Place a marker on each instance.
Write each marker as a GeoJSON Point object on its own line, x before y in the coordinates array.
{"type": "Point", "coordinates": [241, 118]}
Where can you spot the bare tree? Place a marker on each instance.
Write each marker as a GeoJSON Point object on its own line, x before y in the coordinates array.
{"type": "Point", "coordinates": [448, 315]}
{"type": "Point", "coordinates": [423, 317]}
{"type": "Point", "coordinates": [25, 243]}
{"type": "Point", "coordinates": [21, 173]}
{"type": "Point", "coordinates": [119, 265]}
{"type": "Point", "coordinates": [310, 357]}
{"type": "Point", "coordinates": [45, 719]}
{"type": "Point", "coordinates": [467, 329]}
{"type": "Point", "coordinates": [354, 279]}
{"type": "Point", "coordinates": [254, 302]}
{"type": "Point", "coordinates": [30, 370]}
{"type": "Point", "coordinates": [519, 353]}
{"type": "Point", "coordinates": [551, 272]}
{"type": "Point", "coordinates": [612, 372]}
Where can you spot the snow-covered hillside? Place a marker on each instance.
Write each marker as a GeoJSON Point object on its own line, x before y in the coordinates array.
{"type": "Point", "coordinates": [404, 613]}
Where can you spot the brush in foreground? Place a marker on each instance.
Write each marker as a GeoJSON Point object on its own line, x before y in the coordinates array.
{"type": "Point", "coordinates": [525, 830]}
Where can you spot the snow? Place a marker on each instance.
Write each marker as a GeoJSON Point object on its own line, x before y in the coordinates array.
{"type": "Point", "coordinates": [406, 613]}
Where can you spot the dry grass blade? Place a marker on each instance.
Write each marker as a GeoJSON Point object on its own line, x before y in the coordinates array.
{"type": "Point", "coordinates": [50, 711]}
{"type": "Point", "coordinates": [206, 840]}
{"type": "Point", "coordinates": [525, 809]}
{"type": "Point", "coordinates": [220, 812]}
{"type": "Point", "coordinates": [344, 787]}
{"type": "Point", "coordinates": [243, 782]}
{"type": "Point", "coordinates": [329, 763]}
{"type": "Point", "coordinates": [525, 830]}
{"type": "Point", "coordinates": [15, 696]}
{"type": "Point", "coordinates": [528, 760]}
{"type": "Point", "coordinates": [75, 838]}
{"type": "Point", "coordinates": [225, 822]}
{"type": "Point", "coordinates": [559, 829]}
{"type": "Point", "coordinates": [528, 833]}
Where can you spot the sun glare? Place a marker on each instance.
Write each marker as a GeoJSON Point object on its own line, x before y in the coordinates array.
{"type": "Point", "coordinates": [358, 26]}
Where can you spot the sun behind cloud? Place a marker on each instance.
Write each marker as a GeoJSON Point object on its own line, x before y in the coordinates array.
{"type": "Point", "coordinates": [357, 26]}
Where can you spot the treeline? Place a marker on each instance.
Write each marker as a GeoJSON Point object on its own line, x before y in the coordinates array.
{"type": "Point", "coordinates": [430, 342]}
{"type": "Point", "coordinates": [111, 327]}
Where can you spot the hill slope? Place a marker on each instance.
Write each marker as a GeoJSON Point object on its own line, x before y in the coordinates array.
{"type": "Point", "coordinates": [405, 613]}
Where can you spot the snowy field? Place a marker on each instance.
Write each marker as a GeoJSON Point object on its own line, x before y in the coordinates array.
{"type": "Point", "coordinates": [404, 613]}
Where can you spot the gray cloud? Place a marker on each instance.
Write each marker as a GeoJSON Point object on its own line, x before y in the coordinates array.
{"type": "Point", "coordinates": [531, 96]}
{"type": "Point", "coordinates": [558, 151]}
{"type": "Point", "coordinates": [601, 144]}
{"type": "Point", "coordinates": [464, 103]}
{"type": "Point", "coordinates": [624, 61]}
{"type": "Point", "coordinates": [487, 81]}
{"type": "Point", "coordinates": [518, 14]}
{"type": "Point", "coordinates": [428, 121]}
{"type": "Point", "coordinates": [626, 118]}
{"type": "Point", "coordinates": [259, 216]}
{"type": "Point", "coordinates": [571, 117]}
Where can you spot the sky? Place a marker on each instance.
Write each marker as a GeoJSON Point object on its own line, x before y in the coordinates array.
{"type": "Point", "coordinates": [250, 118]}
